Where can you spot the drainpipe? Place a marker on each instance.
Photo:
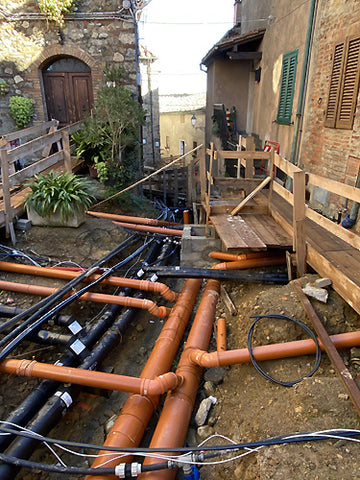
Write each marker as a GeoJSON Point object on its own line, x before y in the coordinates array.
{"type": "Point", "coordinates": [148, 229]}
{"type": "Point", "coordinates": [303, 82]}
{"type": "Point", "coordinates": [130, 426]}
{"type": "Point", "coordinates": [273, 351]}
{"type": "Point", "coordinates": [145, 285]}
{"type": "Point", "coordinates": [161, 312]}
{"type": "Point", "coordinates": [138, 220]}
{"type": "Point", "coordinates": [173, 423]}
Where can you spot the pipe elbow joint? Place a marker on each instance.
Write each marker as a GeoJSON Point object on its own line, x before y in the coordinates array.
{"type": "Point", "coordinates": [204, 359]}
{"type": "Point", "coordinates": [160, 384]}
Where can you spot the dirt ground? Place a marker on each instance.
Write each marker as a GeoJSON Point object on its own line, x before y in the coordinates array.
{"type": "Point", "coordinates": [248, 407]}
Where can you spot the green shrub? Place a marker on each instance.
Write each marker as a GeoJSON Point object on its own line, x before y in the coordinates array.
{"type": "Point", "coordinates": [55, 10]}
{"type": "Point", "coordinates": [21, 110]}
{"type": "Point", "coordinates": [58, 192]}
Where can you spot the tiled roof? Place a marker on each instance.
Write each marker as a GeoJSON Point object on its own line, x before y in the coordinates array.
{"type": "Point", "coordinates": [182, 102]}
{"type": "Point", "coordinates": [231, 38]}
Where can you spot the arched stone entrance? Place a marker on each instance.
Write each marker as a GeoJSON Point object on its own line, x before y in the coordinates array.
{"type": "Point", "coordinates": [68, 89]}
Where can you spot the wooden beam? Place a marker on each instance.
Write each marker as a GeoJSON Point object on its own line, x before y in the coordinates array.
{"type": "Point", "coordinates": [299, 221]}
{"type": "Point", "coordinates": [334, 356]}
{"type": "Point", "coordinates": [66, 150]}
{"type": "Point", "coordinates": [19, 177]}
{"type": "Point", "coordinates": [244, 55]}
{"type": "Point", "coordinates": [36, 130]}
{"type": "Point", "coordinates": [255, 154]}
{"type": "Point", "coordinates": [9, 226]}
{"type": "Point", "coordinates": [341, 189]}
{"type": "Point", "coordinates": [251, 195]}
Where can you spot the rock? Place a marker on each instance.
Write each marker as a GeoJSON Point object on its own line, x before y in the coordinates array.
{"type": "Point", "coordinates": [110, 423]}
{"type": "Point", "coordinates": [209, 388]}
{"type": "Point", "coordinates": [322, 282]}
{"type": "Point", "coordinates": [18, 79]}
{"type": "Point", "coordinates": [205, 432]}
{"type": "Point", "coordinates": [139, 328]}
{"type": "Point", "coordinates": [215, 375]}
{"type": "Point", "coordinates": [118, 57]}
{"type": "Point", "coordinates": [318, 293]}
{"type": "Point", "coordinates": [203, 411]}
{"type": "Point", "coordinates": [191, 439]}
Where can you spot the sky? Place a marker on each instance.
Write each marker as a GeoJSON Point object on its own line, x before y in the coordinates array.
{"type": "Point", "coordinates": [180, 33]}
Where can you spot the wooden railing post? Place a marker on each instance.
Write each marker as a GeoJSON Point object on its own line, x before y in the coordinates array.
{"type": "Point", "coordinates": [299, 221]}
{"type": "Point", "coordinates": [249, 162]}
{"type": "Point", "coordinates": [191, 182]}
{"type": "Point", "coordinates": [66, 150]}
{"type": "Point", "coordinates": [203, 173]}
{"type": "Point", "coordinates": [9, 225]}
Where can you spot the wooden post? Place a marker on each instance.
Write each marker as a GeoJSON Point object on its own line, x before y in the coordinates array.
{"type": "Point", "coordinates": [176, 186]}
{"type": "Point", "coordinates": [202, 173]}
{"type": "Point", "coordinates": [299, 221]}
{"type": "Point", "coordinates": [9, 225]}
{"type": "Point", "coordinates": [208, 189]}
{"type": "Point", "coordinates": [164, 185]}
{"type": "Point", "coordinates": [249, 162]}
{"type": "Point", "coordinates": [271, 173]}
{"type": "Point", "coordinates": [191, 182]}
{"type": "Point", "coordinates": [66, 151]}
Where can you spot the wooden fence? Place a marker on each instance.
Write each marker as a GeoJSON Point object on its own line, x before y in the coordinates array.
{"type": "Point", "coordinates": [174, 184]}
{"type": "Point", "coordinates": [296, 196]}
{"type": "Point", "coordinates": [38, 148]}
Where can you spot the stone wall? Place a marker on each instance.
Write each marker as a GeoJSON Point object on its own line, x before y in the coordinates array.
{"type": "Point", "coordinates": [98, 34]}
{"type": "Point", "coordinates": [331, 152]}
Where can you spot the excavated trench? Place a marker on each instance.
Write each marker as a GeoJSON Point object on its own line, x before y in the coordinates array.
{"type": "Point", "coordinates": [129, 372]}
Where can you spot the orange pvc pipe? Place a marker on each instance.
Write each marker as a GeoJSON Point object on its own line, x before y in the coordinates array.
{"type": "Point", "coordinates": [186, 217]}
{"type": "Point", "coordinates": [251, 263]}
{"type": "Point", "coordinates": [144, 285]}
{"type": "Point", "coordinates": [173, 423]}
{"type": "Point", "coordinates": [90, 378]}
{"type": "Point", "coordinates": [137, 220]}
{"type": "Point", "coordinates": [231, 257]}
{"type": "Point", "coordinates": [221, 335]}
{"type": "Point", "coordinates": [130, 426]}
{"type": "Point", "coordinates": [270, 352]}
{"type": "Point", "coordinates": [149, 229]}
{"type": "Point", "coordinates": [143, 304]}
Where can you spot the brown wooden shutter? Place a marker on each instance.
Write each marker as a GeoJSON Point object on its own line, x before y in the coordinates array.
{"type": "Point", "coordinates": [350, 85]}
{"type": "Point", "coordinates": [335, 83]}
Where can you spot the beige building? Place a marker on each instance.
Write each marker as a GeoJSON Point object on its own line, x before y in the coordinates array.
{"type": "Point", "coordinates": [182, 123]}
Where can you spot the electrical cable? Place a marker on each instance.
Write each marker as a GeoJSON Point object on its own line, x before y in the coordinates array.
{"type": "Point", "coordinates": [186, 459]}
{"type": "Point", "coordinates": [345, 434]}
{"type": "Point", "coordinates": [41, 307]}
{"type": "Point", "coordinates": [19, 333]}
{"type": "Point", "coordinates": [300, 324]}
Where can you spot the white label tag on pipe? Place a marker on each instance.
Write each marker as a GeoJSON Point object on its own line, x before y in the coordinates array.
{"type": "Point", "coordinates": [154, 278]}
{"type": "Point", "coordinates": [75, 327]}
{"type": "Point", "coordinates": [140, 273]}
{"type": "Point", "coordinates": [65, 397]}
{"type": "Point", "coordinates": [77, 347]}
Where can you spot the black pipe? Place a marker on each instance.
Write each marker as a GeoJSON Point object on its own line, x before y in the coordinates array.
{"type": "Point", "coordinates": [12, 340]}
{"type": "Point", "coordinates": [44, 304]}
{"type": "Point", "coordinates": [242, 275]}
{"type": "Point", "coordinates": [50, 414]}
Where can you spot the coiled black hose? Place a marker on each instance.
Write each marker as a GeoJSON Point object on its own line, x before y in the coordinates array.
{"type": "Point", "coordinates": [297, 322]}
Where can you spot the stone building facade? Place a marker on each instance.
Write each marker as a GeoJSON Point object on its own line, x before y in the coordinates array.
{"type": "Point", "coordinates": [40, 60]}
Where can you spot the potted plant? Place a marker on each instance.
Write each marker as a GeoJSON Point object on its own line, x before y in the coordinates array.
{"type": "Point", "coordinates": [58, 199]}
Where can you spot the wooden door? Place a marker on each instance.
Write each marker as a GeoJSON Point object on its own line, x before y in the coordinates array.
{"type": "Point", "coordinates": [68, 95]}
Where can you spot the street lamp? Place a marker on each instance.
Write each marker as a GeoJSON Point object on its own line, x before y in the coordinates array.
{"type": "Point", "coordinates": [193, 120]}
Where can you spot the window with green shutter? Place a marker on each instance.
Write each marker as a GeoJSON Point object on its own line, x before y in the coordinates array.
{"type": "Point", "coordinates": [344, 84]}
{"type": "Point", "coordinates": [288, 76]}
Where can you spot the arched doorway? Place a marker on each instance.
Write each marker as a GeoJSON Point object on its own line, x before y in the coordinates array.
{"type": "Point", "coordinates": [68, 89]}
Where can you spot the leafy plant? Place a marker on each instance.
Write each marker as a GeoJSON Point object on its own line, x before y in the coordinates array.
{"type": "Point", "coordinates": [56, 10]}
{"type": "Point", "coordinates": [21, 110]}
{"type": "Point", "coordinates": [58, 192]}
{"type": "Point", "coordinates": [109, 139]}
{"type": "Point", "coordinates": [4, 88]}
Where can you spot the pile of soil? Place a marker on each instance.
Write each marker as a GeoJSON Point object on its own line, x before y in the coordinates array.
{"type": "Point", "coordinates": [248, 407]}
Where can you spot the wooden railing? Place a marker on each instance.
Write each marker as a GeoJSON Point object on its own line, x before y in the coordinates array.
{"type": "Point", "coordinates": [300, 180]}
{"type": "Point", "coordinates": [44, 136]}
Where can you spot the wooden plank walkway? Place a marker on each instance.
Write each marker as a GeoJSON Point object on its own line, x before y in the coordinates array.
{"type": "Point", "coordinates": [327, 254]}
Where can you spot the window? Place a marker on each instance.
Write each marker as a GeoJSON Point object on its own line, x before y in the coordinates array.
{"type": "Point", "coordinates": [182, 147]}
{"type": "Point", "coordinates": [344, 84]}
{"type": "Point", "coordinates": [288, 76]}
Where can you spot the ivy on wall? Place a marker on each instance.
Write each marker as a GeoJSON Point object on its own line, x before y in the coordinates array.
{"type": "Point", "coordinates": [55, 10]}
